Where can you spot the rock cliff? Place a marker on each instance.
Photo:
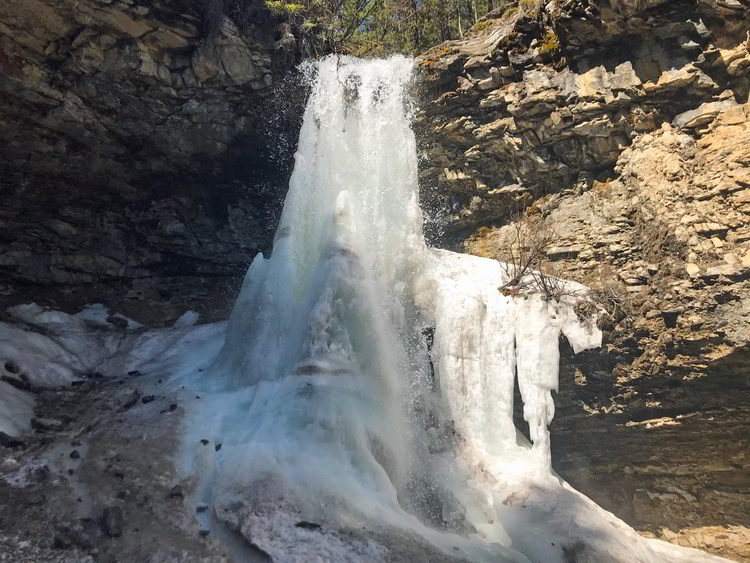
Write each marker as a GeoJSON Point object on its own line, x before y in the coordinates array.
{"type": "Point", "coordinates": [622, 128]}
{"type": "Point", "coordinates": [137, 149]}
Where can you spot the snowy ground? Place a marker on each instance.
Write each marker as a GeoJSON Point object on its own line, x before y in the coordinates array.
{"type": "Point", "coordinates": [96, 480]}
{"type": "Point", "coordinates": [50, 349]}
{"type": "Point", "coordinates": [113, 394]}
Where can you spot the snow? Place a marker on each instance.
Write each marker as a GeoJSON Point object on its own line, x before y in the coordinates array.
{"type": "Point", "coordinates": [52, 349]}
{"type": "Point", "coordinates": [188, 318]}
{"type": "Point", "coordinates": [16, 410]}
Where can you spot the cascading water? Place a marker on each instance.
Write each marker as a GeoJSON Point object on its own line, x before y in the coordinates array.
{"type": "Point", "coordinates": [363, 397]}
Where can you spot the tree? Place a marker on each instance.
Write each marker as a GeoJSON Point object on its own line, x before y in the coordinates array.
{"type": "Point", "coordinates": [368, 27]}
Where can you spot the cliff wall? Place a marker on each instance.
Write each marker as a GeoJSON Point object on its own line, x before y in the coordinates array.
{"type": "Point", "coordinates": [622, 129]}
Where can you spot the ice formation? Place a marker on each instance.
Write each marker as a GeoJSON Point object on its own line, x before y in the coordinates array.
{"type": "Point", "coordinates": [361, 397]}
{"type": "Point", "coordinates": [364, 392]}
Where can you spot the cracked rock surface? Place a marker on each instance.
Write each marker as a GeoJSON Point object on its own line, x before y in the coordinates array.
{"type": "Point", "coordinates": [139, 151]}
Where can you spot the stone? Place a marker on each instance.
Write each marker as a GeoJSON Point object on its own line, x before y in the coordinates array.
{"type": "Point", "coordinates": [8, 441]}
{"type": "Point", "coordinates": [112, 521]}
{"type": "Point", "coordinates": [559, 252]}
{"type": "Point", "coordinates": [9, 464]}
{"type": "Point", "coordinates": [47, 424]}
{"type": "Point", "coordinates": [73, 535]}
{"type": "Point", "coordinates": [703, 114]}
{"type": "Point", "coordinates": [176, 492]}
{"type": "Point", "coordinates": [131, 399]}
{"type": "Point", "coordinates": [202, 106]}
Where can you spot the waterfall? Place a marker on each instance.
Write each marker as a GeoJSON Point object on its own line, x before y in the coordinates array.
{"type": "Point", "coordinates": [363, 397]}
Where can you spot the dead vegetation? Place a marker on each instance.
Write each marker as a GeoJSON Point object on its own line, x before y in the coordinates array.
{"type": "Point", "coordinates": [524, 259]}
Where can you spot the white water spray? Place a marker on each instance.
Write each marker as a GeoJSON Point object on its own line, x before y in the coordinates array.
{"type": "Point", "coordinates": [364, 393]}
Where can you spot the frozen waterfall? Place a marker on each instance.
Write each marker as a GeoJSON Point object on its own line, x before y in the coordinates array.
{"type": "Point", "coordinates": [363, 397]}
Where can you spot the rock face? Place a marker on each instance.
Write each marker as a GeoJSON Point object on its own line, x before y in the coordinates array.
{"type": "Point", "coordinates": [543, 98]}
{"type": "Point", "coordinates": [622, 128]}
{"type": "Point", "coordinates": [136, 147]}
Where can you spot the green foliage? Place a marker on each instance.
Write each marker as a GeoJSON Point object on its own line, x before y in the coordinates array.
{"type": "Point", "coordinates": [481, 25]}
{"type": "Point", "coordinates": [377, 27]}
{"type": "Point", "coordinates": [530, 8]}
{"type": "Point", "coordinates": [281, 7]}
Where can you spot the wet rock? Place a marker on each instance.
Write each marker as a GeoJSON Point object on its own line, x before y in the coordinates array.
{"type": "Point", "coordinates": [176, 492]}
{"type": "Point", "coordinates": [75, 535]}
{"type": "Point", "coordinates": [75, 455]}
{"type": "Point", "coordinates": [131, 398]}
{"type": "Point", "coordinates": [112, 521]}
{"type": "Point", "coordinates": [12, 367]}
{"type": "Point", "coordinates": [10, 441]}
{"type": "Point", "coordinates": [129, 163]}
{"type": "Point", "coordinates": [147, 399]}
{"type": "Point", "coordinates": [46, 424]}
{"type": "Point", "coordinates": [9, 464]}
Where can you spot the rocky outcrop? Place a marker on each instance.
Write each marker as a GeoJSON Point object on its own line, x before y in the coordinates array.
{"type": "Point", "coordinates": [623, 129]}
{"type": "Point", "coordinates": [667, 399]}
{"type": "Point", "coordinates": [545, 97]}
{"type": "Point", "coordinates": [137, 147]}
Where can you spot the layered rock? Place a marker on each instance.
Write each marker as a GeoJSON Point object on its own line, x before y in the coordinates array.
{"type": "Point", "coordinates": [623, 129]}
{"type": "Point", "coordinates": [544, 97]}
{"type": "Point", "coordinates": [136, 145]}
{"type": "Point", "coordinates": [668, 397]}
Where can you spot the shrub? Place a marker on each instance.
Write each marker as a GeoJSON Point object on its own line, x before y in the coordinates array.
{"type": "Point", "coordinates": [281, 7]}
{"type": "Point", "coordinates": [608, 295]}
{"type": "Point", "coordinates": [525, 259]}
{"type": "Point", "coordinates": [481, 25]}
{"type": "Point", "coordinates": [550, 42]}
{"type": "Point", "coordinates": [510, 11]}
{"type": "Point", "coordinates": [530, 8]}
